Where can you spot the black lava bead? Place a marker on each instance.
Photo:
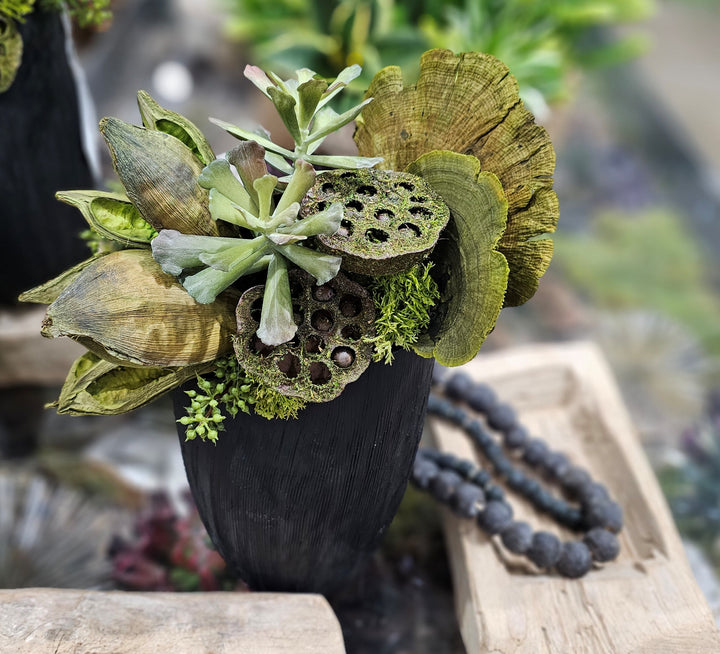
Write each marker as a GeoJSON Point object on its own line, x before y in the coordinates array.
{"type": "Point", "coordinates": [424, 471]}
{"type": "Point", "coordinates": [606, 514]}
{"type": "Point", "coordinates": [517, 537]}
{"type": "Point", "coordinates": [515, 437]}
{"type": "Point", "coordinates": [545, 549]}
{"type": "Point", "coordinates": [444, 484]}
{"type": "Point", "coordinates": [501, 417]}
{"type": "Point", "coordinates": [495, 517]}
{"type": "Point", "coordinates": [535, 452]}
{"type": "Point", "coordinates": [575, 560]}
{"type": "Point", "coordinates": [603, 545]}
{"type": "Point", "coordinates": [466, 499]}
{"type": "Point", "coordinates": [481, 398]}
{"type": "Point", "coordinates": [458, 385]}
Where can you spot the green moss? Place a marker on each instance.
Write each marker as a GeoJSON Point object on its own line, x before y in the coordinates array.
{"type": "Point", "coordinates": [16, 9]}
{"type": "Point", "coordinates": [86, 12]}
{"type": "Point", "coordinates": [271, 404]}
{"type": "Point", "coordinates": [402, 305]}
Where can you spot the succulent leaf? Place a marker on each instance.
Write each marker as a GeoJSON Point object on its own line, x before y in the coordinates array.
{"type": "Point", "coordinates": [160, 174]}
{"type": "Point", "coordinates": [276, 320]}
{"type": "Point", "coordinates": [156, 117]}
{"type": "Point", "coordinates": [323, 267]}
{"type": "Point", "coordinates": [249, 160]}
{"type": "Point", "coordinates": [467, 261]}
{"type": "Point", "coordinates": [217, 175]}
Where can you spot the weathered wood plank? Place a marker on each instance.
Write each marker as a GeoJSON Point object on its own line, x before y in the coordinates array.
{"type": "Point", "coordinates": [43, 620]}
{"type": "Point", "coordinates": [646, 602]}
{"type": "Point", "coordinates": [28, 359]}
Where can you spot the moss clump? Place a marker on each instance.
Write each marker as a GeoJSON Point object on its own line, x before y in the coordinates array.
{"type": "Point", "coordinates": [402, 305]}
{"type": "Point", "coordinates": [86, 12]}
{"type": "Point", "coordinates": [271, 404]}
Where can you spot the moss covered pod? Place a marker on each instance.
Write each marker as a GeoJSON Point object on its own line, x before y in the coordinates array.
{"type": "Point", "coordinates": [391, 220]}
{"type": "Point", "coordinates": [328, 350]}
{"type": "Point", "coordinates": [125, 309]}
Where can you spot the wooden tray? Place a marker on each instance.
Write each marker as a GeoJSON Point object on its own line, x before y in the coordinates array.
{"type": "Point", "coordinates": [646, 602]}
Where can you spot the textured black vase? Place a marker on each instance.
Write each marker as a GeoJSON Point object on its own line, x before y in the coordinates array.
{"type": "Point", "coordinates": [299, 505]}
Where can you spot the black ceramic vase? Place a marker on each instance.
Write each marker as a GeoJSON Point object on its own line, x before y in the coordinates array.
{"type": "Point", "coordinates": [299, 505]}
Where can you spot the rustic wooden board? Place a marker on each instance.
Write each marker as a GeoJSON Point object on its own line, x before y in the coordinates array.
{"type": "Point", "coordinates": [28, 359]}
{"type": "Point", "coordinates": [50, 621]}
{"type": "Point", "coordinates": [646, 602]}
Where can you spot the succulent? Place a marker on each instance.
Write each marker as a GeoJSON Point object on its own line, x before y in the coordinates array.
{"type": "Point", "coordinates": [329, 349]}
{"type": "Point", "coordinates": [391, 220]}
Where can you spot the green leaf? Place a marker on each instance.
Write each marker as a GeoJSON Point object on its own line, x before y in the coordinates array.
{"type": "Point", "coordinates": [330, 125]}
{"type": "Point", "coordinates": [111, 215]}
{"type": "Point", "coordinates": [346, 76]}
{"type": "Point", "coordinates": [301, 182]}
{"type": "Point", "coordinates": [276, 319]}
{"type": "Point", "coordinates": [285, 105]}
{"type": "Point", "coordinates": [97, 387]}
{"type": "Point", "coordinates": [279, 162]}
{"type": "Point", "coordinates": [48, 292]}
{"type": "Point", "coordinates": [218, 175]}
{"type": "Point", "coordinates": [176, 252]}
{"type": "Point", "coordinates": [258, 77]}
{"type": "Point", "coordinates": [156, 117]}
{"type": "Point", "coordinates": [309, 94]}
{"type": "Point", "coordinates": [333, 161]}
{"type": "Point", "coordinates": [474, 273]}
{"type": "Point", "coordinates": [323, 267]}
{"type": "Point", "coordinates": [264, 187]}
{"type": "Point", "coordinates": [325, 222]}
{"type": "Point", "coordinates": [222, 208]}
{"type": "Point", "coordinates": [247, 135]}
{"type": "Point", "coordinates": [235, 258]}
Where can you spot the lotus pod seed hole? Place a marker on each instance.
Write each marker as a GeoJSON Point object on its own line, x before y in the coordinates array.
{"type": "Point", "coordinates": [321, 206]}
{"type": "Point", "coordinates": [298, 314]}
{"type": "Point", "coordinates": [343, 357]}
{"type": "Point", "coordinates": [345, 229]}
{"type": "Point", "coordinates": [289, 365]}
{"type": "Point", "coordinates": [408, 228]}
{"type": "Point", "coordinates": [319, 373]}
{"type": "Point", "coordinates": [384, 215]}
{"type": "Point", "coordinates": [323, 293]}
{"type": "Point", "coordinates": [322, 320]}
{"type": "Point", "coordinates": [295, 342]}
{"type": "Point", "coordinates": [351, 332]}
{"type": "Point", "coordinates": [407, 186]}
{"type": "Point", "coordinates": [328, 187]}
{"type": "Point", "coordinates": [261, 348]}
{"type": "Point", "coordinates": [347, 175]}
{"type": "Point", "coordinates": [367, 190]}
{"type": "Point", "coordinates": [313, 344]}
{"type": "Point", "coordinates": [296, 291]}
{"type": "Point", "coordinates": [421, 212]}
{"type": "Point", "coordinates": [418, 198]}
{"type": "Point", "coordinates": [350, 306]}
{"type": "Point", "coordinates": [354, 204]}
{"type": "Point", "coordinates": [376, 235]}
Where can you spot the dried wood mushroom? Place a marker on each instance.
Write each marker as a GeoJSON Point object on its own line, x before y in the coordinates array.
{"type": "Point", "coordinates": [328, 351]}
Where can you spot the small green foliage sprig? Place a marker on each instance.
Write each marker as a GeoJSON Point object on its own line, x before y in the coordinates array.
{"type": "Point", "coordinates": [403, 304]}
{"type": "Point", "coordinates": [229, 388]}
{"type": "Point", "coordinates": [87, 13]}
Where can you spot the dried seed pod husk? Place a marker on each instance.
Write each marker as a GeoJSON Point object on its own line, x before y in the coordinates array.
{"type": "Point", "coordinates": [48, 292]}
{"type": "Point", "coordinates": [125, 309]}
{"type": "Point", "coordinates": [328, 351]}
{"type": "Point", "coordinates": [111, 215]}
{"type": "Point", "coordinates": [163, 120]}
{"type": "Point", "coordinates": [159, 174]}
{"type": "Point", "coordinates": [391, 220]}
{"type": "Point", "coordinates": [96, 387]}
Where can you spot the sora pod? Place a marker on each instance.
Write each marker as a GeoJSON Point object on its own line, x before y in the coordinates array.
{"type": "Point", "coordinates": [328, 350]}
{"type": "Point", "coordinates": [391, 219]}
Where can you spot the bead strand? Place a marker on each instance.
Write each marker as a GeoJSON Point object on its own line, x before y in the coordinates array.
{"type": "Point", "coordinates": [470, 493]}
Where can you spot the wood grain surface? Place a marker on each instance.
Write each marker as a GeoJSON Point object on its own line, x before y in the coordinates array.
{"type": "Point", "coordinates": [647, 601]}
{"type": "Point", "coordinates": [50, 621]}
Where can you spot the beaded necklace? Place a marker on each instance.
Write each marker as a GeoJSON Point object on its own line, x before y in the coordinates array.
{"type": "Point", "coordinates": [470, 493]}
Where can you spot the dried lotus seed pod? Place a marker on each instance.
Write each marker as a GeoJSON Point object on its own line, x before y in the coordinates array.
{"type": "Point", "coordinates": [391, 219]}
{"type": "Point", "coordinates": [327, 351]}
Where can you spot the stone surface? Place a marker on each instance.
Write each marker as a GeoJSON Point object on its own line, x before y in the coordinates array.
{"type": "Point", "coordinates": [41, 620]}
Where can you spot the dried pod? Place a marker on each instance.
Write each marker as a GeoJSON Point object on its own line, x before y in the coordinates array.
{"type": "Point", "coordinates": [97, 387]}
{"type": "Point", "coordinates": [391, 219]}
{"type": "Point", "coordinates": [159, 173]}
{"type": "Point", "coordinates": [125, 309]}
{"type": "Point", "coordinates": [328, 351]}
